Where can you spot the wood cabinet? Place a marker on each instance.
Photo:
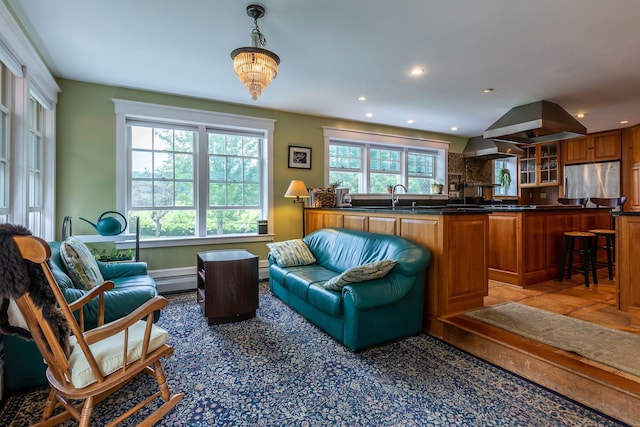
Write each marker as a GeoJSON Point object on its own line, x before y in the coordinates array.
{"type": "Point", "coordinates": [596, 147]}
{"type": "Point", "coordinates": [627, 267]}
{"type": "Point", "coordinates": [631, 168]}
{"type": "Point", "coordinates": [456, 279]}
{"type": "Point", "coordinates": [540, 165]}
{"type": "Point", "coordinates": [227, 284]}
{"type": "Point", "coordinates": [526, 246]}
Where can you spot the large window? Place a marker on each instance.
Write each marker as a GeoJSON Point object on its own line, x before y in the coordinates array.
{"type": "Point", "coordinates": [191, 173]}
{"type": "Point", "coordinates": [36, 167]}
{"type": "Point", "coordinates": [6, 96]}
{"type": "Point", "coordinates": [373, 162]}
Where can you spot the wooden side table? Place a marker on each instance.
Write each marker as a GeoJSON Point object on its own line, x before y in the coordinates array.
{"type": "Point", "coordinates": [227, 285]}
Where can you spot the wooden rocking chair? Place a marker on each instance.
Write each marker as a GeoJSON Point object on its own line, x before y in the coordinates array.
{"type": "Point", "coordinates": [103, 359]}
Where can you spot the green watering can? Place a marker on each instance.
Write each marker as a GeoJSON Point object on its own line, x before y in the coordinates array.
{"type": "Point", "coordinates": [109, 225]}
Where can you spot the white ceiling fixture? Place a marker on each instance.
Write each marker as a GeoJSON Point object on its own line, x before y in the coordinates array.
{"type": "Point", "coordinates": [255, 67]}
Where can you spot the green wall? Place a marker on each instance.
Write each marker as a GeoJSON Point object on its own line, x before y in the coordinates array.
{"type": "Point", "coordinates": [86, 159]}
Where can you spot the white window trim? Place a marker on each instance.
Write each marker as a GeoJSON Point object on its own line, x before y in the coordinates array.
{"type": "Point", "coordinates": [31, 77]}
{"type": "Point", "coordinates": [381, 139]}
{"type": "Point", "coordinates": [146, 111]}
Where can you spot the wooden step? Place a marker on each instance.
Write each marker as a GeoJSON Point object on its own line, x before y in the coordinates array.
{"type": "Point", "coordinates": [603, 388]}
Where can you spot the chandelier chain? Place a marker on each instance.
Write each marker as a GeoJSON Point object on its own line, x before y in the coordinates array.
{"type": "Point", "coordinates": [261, 38]}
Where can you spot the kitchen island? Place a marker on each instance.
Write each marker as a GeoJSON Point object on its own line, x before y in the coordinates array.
{"type": "Point", "coordinates": [520, 245]}
{"type": "Point", "coordinates": [627, 265]}
{"type": "Point", "coordinates": [526, 245]}
{"type": "Point", "coordinates": [456, 279]}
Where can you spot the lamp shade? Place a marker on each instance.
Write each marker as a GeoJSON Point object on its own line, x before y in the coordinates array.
{"type": "Point", "coordinates": [296, 190]}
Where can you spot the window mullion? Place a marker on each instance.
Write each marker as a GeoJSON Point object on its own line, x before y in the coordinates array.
{"type": "Point", "coordinates": [202, 181]}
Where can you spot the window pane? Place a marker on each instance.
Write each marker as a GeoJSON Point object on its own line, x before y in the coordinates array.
{"type": "Point", "coordinates": [163, 139]}
{"type": "Point", "coordinates": [232, 221]}
{"type": "Point", "coordinates": [347, 179]}
{"type": "Point", "coordinates": [141, 137]}
{"type": "Point", "coordinates": [141, 164]}
{"type": "Point", "coordinates": [419, 185]}
{"type": "Point", "coordinates": [165, 223]}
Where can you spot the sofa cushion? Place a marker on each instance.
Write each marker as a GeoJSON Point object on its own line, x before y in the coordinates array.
{"type": "Point", "coordinates": [290, 253]}
{"type": "Point", "coordinates": [80, 263]}
{"type": "Point", "coordinates": [361, 273]}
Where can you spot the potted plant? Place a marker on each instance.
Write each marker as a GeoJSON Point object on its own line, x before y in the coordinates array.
{"type": "Point", "coordinates": [389, 189]}
{"type": "Point", "coordinates": [436, 187]}
{"type": "Point", "coordinates": [504, 178]}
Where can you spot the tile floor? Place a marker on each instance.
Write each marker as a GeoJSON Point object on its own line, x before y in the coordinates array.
{"type": "Point", "coordinates": [596, 304]}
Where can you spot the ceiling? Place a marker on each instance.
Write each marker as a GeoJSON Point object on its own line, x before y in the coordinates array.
{"type": "Point", "coordinates": [581, 54]}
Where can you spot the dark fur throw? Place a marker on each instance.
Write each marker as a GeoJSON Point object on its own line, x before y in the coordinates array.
{"type": "Point", "coordinates": [18, 276]}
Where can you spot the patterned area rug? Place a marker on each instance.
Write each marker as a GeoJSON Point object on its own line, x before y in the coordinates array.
{"type": "Point", "coordinates": [608, 346]}
{"type": "Point", "coordinates": [278, 369]}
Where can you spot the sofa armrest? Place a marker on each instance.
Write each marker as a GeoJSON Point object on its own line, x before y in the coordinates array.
{"type": "Point", "coordinates": [118, 302]}
{"type": "Point", "coordinates": [112, 270]}
{"type": "Point", "coordinates": [378, 292]}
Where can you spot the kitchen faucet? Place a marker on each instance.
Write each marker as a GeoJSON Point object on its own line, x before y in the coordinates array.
{"type": "Point", "coordinates": [395, 199]}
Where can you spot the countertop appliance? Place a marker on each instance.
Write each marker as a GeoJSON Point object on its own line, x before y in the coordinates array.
{"type": "Point", "coordinates": [592, 180]}
{"type": "Point", "coordinates": [342, 197]}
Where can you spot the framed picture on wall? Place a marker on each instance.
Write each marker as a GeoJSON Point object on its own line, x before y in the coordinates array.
{"type": "Point", "coordinates": [299, 157]}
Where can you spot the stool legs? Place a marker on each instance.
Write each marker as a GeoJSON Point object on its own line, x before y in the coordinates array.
{"type": "Point", "coordinates": [609, 247]}
{"type": "Point", "coordinates": [587, 251]}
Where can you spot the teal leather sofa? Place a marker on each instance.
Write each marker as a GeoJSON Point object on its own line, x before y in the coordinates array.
{"type": "Point", "coordinates": [23, 365]}
{"type": "Point", "coordinates": [365, 313]}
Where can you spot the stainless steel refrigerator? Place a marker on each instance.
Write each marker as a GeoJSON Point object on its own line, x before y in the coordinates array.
{"type": "Point", "coordinates": [592, 180]}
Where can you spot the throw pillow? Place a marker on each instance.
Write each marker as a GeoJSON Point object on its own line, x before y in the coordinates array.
{"type": "Point", "coordinates": [80, 263]}
{"type": "Point", "coordinates": [360, 273]}
{"type": "Point", "coordinates": [290, 253]}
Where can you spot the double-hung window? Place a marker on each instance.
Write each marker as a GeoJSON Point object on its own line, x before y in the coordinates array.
{"type": "Point", "coordinates": [372, 163]}
{"type": "Point", "coordinates": [192, 173]}
{"type": "Point", "coordinates": [5, 134]}
{"type": "Point", "coordinates": [36, 166]}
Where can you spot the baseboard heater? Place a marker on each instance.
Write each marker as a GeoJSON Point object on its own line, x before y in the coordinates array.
{"type": "Point", "coordinates": [183, 279]}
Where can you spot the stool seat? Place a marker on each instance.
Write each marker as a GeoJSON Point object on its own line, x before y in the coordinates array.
{"type": "Point", "coordinates": [586, 251]}
{"type": "Point", "coordinates": [609, 247]}
{"type": "Point", "coordinates": [603, 231]}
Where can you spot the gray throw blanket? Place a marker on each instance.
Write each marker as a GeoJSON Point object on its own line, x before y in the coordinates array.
{"type": "Point", "coordinates": [18, 276]}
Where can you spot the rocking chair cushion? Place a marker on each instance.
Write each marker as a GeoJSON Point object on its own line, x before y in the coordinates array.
{"type": "Point", "coordinates": [108, 352]}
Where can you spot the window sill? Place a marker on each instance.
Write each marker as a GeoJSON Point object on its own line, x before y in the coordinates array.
{"type": "Point", "coordinates": [197, 241]}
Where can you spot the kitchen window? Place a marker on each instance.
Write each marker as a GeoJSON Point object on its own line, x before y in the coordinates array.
{"type": "Point", "coordinates": [505, 175]}
{"type": "Point", "coordinates": [371, 163]}
{"type": "Point", "coordinates": [193, 174]}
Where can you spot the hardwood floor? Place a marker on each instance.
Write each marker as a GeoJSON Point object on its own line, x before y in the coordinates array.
{"type": "Point", "coordinates": [596, 304]}
{"type": "Point", "coordinates": [601, 387]}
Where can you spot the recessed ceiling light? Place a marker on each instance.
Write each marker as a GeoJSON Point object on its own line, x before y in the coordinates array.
{"type": "Point", "coordinates": [362, 98]}
{"type": "Point", "coordinates": [624, 122]}
{"type": "Point", "coordinates": [417, 71]}
{"type": "Point", "coordinates": [488, 90]}
{"type": "Point", "coordinates": [410, 121]}
{"type": "Point", "coordinates": [369, 114]}
{"type": "Point", "coordinates": [580, 115]}
{"type": "Point", "coordinates": [454, 128]}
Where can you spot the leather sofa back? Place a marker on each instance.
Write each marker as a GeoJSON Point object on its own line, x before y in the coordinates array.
{"type": "Point", "coordinates": [339, 249]}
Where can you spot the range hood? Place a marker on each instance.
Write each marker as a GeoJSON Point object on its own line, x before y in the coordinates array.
{"type": "Point", "coordinates": [478, 147]}
{"type": "Point", "coordinates": [540, 121]}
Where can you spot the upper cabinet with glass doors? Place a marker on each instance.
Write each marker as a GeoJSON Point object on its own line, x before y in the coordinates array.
{"type": "Point", "coordinates": [539, 166]}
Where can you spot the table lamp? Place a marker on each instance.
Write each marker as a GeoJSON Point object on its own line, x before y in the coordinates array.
{"type": "Point", "coordinates": [298, 192]}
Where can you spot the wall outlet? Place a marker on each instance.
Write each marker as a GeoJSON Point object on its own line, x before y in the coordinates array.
{"type": "Point", "coordinates": [543, 195]}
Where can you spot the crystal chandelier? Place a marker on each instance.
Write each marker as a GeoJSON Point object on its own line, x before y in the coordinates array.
{"type": "Point", "coordinates": [255, 67]}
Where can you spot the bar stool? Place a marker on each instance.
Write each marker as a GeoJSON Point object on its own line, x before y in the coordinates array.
{"type": "Point", "coordinates": [574, 202]}
{"type": "Point", "coordinates": [609, 234]}
{"type": "Point", "coordinates": [586, 251]}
